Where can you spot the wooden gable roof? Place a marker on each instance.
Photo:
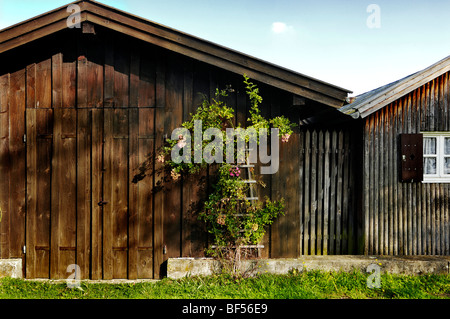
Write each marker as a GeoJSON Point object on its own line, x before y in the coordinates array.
{"type": "Point", "coordinates": [370, 102]}
{"type": "Point", "coordinates": [176, 41]}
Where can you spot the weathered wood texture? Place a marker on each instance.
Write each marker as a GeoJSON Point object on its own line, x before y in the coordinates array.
{"type": "Point", "coordinates": [405, 218]}
{"type": "Point", "coordinates": [95, 109]}
{"type": "Point", "coordinates": [323, 191]}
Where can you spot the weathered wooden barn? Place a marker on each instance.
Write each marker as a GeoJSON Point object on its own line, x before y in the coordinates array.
{"type": "Point", "coordinates": [406, 164]}
{"type": "Point", "coordinates": [82, 108]}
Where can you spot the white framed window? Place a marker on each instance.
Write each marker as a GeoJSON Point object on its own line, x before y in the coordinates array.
{"type": "Point", "coordinates": [436, 157]}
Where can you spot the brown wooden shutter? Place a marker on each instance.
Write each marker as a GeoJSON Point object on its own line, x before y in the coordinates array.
{"type": "Point", "coordinates": [411, 157]}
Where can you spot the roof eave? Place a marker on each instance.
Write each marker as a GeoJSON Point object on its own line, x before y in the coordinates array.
{"type": "Point", "coordinates": [393, 93]}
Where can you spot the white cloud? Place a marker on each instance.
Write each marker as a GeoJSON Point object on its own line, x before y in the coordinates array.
{"type": "Point", "coordinates": [281, 27]}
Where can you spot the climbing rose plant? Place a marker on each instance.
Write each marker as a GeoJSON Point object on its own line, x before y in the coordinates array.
{"type": "Point", "coordinates": [230, 218]}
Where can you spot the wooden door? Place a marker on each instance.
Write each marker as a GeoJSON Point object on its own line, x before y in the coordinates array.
{"type": "Point", "coordinates": [83, 207]}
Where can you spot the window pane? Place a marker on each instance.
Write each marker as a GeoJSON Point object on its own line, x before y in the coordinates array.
{"type": "Point", "coordinates": [447, 165]}
{"type": "Point", "coordinates": [429, 165]}
{"type": "Point", "coordinates": [447, 145]}
{"type": "Point", "coordinates": [429, 145]}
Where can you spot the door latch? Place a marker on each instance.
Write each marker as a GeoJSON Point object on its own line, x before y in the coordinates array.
{"type": "Point", "coordinates": [102, 203]}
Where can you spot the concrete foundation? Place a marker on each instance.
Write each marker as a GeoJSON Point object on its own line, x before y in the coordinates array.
{"type": "Point", "coordinates": [11, 268]}
{"type": "Point", "coordinates": [415, 265]}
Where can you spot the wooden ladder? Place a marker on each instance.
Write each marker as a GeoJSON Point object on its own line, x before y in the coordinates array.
{"type": "Point", "coordinates": [252, 196]}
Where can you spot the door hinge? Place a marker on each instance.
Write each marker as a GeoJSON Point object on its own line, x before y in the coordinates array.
{"type": "Point", "coordinates": [24, 249]}
{"type": "Point", "coordinates": [24, 138]}
{"type": "Point", "coordinates": [164, 249]}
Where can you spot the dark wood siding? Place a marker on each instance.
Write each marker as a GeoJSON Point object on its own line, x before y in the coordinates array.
{"type": "Point", "coordinates": [405, 218]}
{"type": "Point", "coordinates": [94, 109]}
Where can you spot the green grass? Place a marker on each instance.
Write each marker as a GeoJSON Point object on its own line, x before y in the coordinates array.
{"type": "Point", "coordinates": [306, 285]}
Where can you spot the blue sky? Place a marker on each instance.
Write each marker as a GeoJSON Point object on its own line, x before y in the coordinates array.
{"type": "Point", "coordinates": [329, 40]}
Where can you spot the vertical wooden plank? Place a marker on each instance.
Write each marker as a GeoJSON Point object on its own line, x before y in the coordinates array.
{"type": "Point", "coordinates": [82, 82]}
{"type": "Point", "coordinates": [418, 186]}
{"type": "Point", "coordinates": [69, 82]}
{"type": "Point", "coordinates": [401, 186]}
{"type": "Point", "coordinates": [371, 196]}
{"type": "Point", "coordinates": [385, 189]}
{"type": "Point", "coordinates": [442, 220]}
{"type": "Point", "coordinates": [419, 218]}
{"type": "Point", "coordinates": [285, 231]}
{"type": "Point", "coordinates": [158, 180]}
{"type": "Point", "coordinates": [278, 227]}
{"type": "Point", "coordinates": [108, 195]}
{"type": "Point", "coordinates": [57, 72]}
{"type": "Point", "coordinates": [432, 216]}
{"type": "Point", "coordinates": [188, 224]}
{"type": "Point", "coordinates": [424, 220]}
{"type": "Point", "coordinates": [121, 74]}
{"type": "Point", "coordinates": [95, 73]}
{"type": "Point", "coordinates": [115, 212]}
{"type": "Point", "coordinates": [438, 218]}
{"type": "Point", "coordinates": [17, 149]}
{"type": "Point", "coordinates": [345, 194]}
{"type": "Point", "coordinates": [135, 70]}
{"type": "Point", "coordinates": [97, 193]}
{"type": "Point", "coordinates": [289, 169]}
{"type": "Point", "coordinates": [366, 182]}
{"type": "Point", "coordinates": [32, 176]}
{"type": "Point", "coordinates": [109, 73]}
{"type": "Point", "coordinates": [84, 190]}
{"type": "Point", "coordinates": [355, 183]}
{"type": "Point", "coordinates": [446, 101]}
{"type": "Point", "coordinates": [380, 193]}
{"type": "Point", "coordinates": [446, 221]}
{"type": "Point", "coordinates": [441, 108]}
{"type": "Point", "coordinates": [133, 165]}
{"type": "Point", "coordinates": [340, 155]}
{"type": "Point", "coordinates": [425, 101]}
{"type": "Point", "coordinates": [43, 93]}
{"type": "Point", "coordinates": [428, 218]}
{"type": "Point", "coordinates": [380, 181]}
{"type": "Point", "coordinates": [63, 213]}
{"type": "Point", "coordinates": [133, 192]}
{"type": "Point", "coordinates": [193, 234]}
{"type": "Point", "coordinates": [326, 192]}
{"type": "Point", "coordinates": [376, 199]}
{"type": "Point", "coordinates": [306, 224]}
{"type": "Point", "coordinates": [144, 196]}
{"type": "Point", "coordinates": [314, 153]}
{"type": "Point", "coordinates": [68, 198]}
{"type": "Point", "coordinates": [172, 197]}
{"type": "Point", "coordinates": [31, 86]}
{"type": "Point", "coordinates": [412, 238]}
{"type": "Point", "coordinates": [395, 178]}
{"type": "Point", "coordinates": [5, 162]}
{"type": "Point", "coordinates": [301, 155]}
{"type": "Point", "coordinates": [39, 129]}
{"type": "Point", "coordinates": [146, 92]}
{"type": "Point", "coordinates": [320, 193]}
{"type": "Point", "coordinates": [391, 178]}
{"type": "Point", "coordinates": [432, 109]}
{"type": "Point", "coordinates": [446, 98]}
{"type": "Point", "coordinates": [410, 216]}
{"type": "Point", "coordinates": [334, 146]}
{"type": "Point", "coordinates": [120, 184]}
{"type": "Point", "coordinates": [406, 199]}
